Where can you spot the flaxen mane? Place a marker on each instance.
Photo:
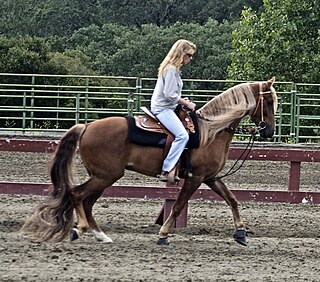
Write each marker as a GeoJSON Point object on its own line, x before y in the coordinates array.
{"type": "Point", "coordinates": [224, 109]}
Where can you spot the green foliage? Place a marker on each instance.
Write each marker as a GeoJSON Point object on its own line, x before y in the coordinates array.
{"type": "Point", "coordinates": [201, 11]}
{"type": "Point", "coordinates": [120, 51]}
{"type": "Point", "coordinates": [282, 41]}
{"type": "Point", "coordinates": [24, 55]}
{"type": "Point", "coordinates": [46, 124]}
{"type": "Point", "coordinates": [71, 62]}
{"type": "Point", "coordinates": [9, 123]}
{"type": "Point", "coordinates": [47, 17]}
{"type": "Point", "coordinates": [130, 38]}
{"type": "Point", "coordinates": [116, 37]}
{"type": "Point", "coordinates": [34, 55]}
{"type": "Point", "coordinates": [167, 12]}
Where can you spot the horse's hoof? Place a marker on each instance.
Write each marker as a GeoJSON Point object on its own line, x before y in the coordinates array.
{"type": "Point", "coordinates": [163, 241]}
{"type": "Point", "coordinates": [240, 236]}
{"type": "Point", "coordinates": [100, 236]}
{"type": "Point", "coordinates": [73, 234]}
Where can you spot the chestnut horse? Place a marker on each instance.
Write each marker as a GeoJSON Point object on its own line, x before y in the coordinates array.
{"type": "Point", "coordinates": [106, 152]}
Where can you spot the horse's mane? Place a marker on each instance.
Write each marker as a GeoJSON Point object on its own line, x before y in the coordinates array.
{"type": "Point", "coordinates": [221, 111]}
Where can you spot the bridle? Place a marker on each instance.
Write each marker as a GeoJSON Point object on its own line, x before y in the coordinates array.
{"type": "Point", "coordinates": [262, 124]}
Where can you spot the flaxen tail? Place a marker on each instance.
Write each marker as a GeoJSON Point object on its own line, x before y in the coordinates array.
{"type": "Point", "coordinates": [53, 219]}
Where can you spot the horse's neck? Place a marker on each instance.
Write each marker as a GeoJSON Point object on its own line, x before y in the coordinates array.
{"type": "Point", "coordinates": [226, 136]}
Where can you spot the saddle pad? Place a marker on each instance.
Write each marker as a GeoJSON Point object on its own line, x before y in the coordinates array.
{"type": "Point", "coordinates": [142, 137]}
{"type": "Point", "coordinates": [155, 139]}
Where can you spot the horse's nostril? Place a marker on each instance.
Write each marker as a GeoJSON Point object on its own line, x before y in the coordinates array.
{"type": "Point", "coordinates": [262, 125]}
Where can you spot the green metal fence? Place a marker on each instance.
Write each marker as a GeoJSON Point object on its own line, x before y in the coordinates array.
{"type": "Point", "coordinates": [32, 103]}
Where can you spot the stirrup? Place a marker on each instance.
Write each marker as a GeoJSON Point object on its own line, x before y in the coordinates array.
{"type": "Point", "coordinates": [163, 176]}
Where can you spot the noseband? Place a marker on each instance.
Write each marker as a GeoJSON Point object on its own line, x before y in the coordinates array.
{"type": "Point", "coordinates": [262, 123]}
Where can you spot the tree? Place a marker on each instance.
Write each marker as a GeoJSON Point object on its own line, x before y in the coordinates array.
{"type": "Point", "coordinates": [168, 12]}
{"type": "Point", "coordinates": [283, 41]}
{"type": "Point", "coordinates": [116, 50]}
{"type": "Point", "coordinates": [46, 18]}
{"type": "Point", "coordinates": [71, 62]}
{"type": "Point", "coordinates": [24, 55]}
{"type": "Point", "coordinates": [200, 11]}
{"type": "Point", "coordinates": [33, 55]}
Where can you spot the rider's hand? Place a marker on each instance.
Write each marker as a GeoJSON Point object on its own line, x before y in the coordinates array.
{"type": "Point", "coordinates": [185, 102]}
{"type": "Point", "coordinates": [191, 105]}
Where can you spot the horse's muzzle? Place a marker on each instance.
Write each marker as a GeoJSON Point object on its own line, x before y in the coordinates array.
{"type": "Point", "coordinates": [267, 131]}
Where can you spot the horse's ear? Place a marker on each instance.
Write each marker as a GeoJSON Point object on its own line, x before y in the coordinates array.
{"type": "Point", "coordinates": [271, 81]}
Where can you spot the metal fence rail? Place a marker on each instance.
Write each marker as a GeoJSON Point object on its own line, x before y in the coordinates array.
{"type": "Point", "coordinates": [31, 103]}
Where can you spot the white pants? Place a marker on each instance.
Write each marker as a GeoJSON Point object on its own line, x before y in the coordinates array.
{"type": "Point", "coordinates": [171, 121]}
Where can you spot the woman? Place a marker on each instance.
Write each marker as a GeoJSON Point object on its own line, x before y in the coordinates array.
{"type": "Point", "coordinates": [167, 95]}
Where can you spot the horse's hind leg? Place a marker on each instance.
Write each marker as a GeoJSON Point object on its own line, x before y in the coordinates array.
{"type": "Point", "coordinates": [220, 188]}
{"type": "Point", "coordinates": [82, 224]}
{"type": "Point", "coordinates": [97, 232]}
{"type": "Point", "coordinates": [84, 196]}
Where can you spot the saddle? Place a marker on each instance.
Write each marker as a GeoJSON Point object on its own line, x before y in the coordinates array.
{"type": "Point", "coordinates": [149, 122]}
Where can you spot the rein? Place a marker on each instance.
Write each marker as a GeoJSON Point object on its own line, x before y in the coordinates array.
{"type": "Point", "coordinates": [247, 151]}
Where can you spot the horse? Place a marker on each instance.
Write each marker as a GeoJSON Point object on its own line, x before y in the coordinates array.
{"type": "Point", "coordinates": [106, 153]}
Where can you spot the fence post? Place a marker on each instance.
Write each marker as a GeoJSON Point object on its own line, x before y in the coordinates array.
{"type": "Point", "coordinates": [297, 120]}
{"type": "Point", "coordinates": [293, 111]}
{"type": "Point", "coordinates": [33, 82]}
{"type": "Point", "coordinates": [77, 117]}
{"type": "Point", "coordinates": [24, 111]}
{"type": "Point", "coordinates": [86, 102]}
{"type": "Point", "coordinates": [294, 176]}
{"type": "Point", "coordinates": [138, 92]}
{"type": "Point", "coordinates": [130, 102]}
{"type": "Point", "coordinates": [182, 219]}
{"type": "Point", "coordinates": [280, 120]}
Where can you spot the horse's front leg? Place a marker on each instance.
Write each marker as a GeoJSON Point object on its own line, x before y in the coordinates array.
{"type": "Point", "coordinates": [220, 188]}
{"type": "Point", "coordinates": [185, 194]}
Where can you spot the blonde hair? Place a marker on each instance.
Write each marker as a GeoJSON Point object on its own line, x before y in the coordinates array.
{"type": "Point", "coordinates": [175, 56]}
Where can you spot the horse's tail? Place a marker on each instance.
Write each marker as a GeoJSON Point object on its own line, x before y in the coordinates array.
{"type": "Point", "coordinates": [53, 219]}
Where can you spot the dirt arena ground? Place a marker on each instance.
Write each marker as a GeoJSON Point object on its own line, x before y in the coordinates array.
{"type": "Point", "coordinates": [285, 245]}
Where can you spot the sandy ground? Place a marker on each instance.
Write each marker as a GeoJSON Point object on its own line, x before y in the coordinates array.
{"type": "Point", "coordinates": [285, 245]}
